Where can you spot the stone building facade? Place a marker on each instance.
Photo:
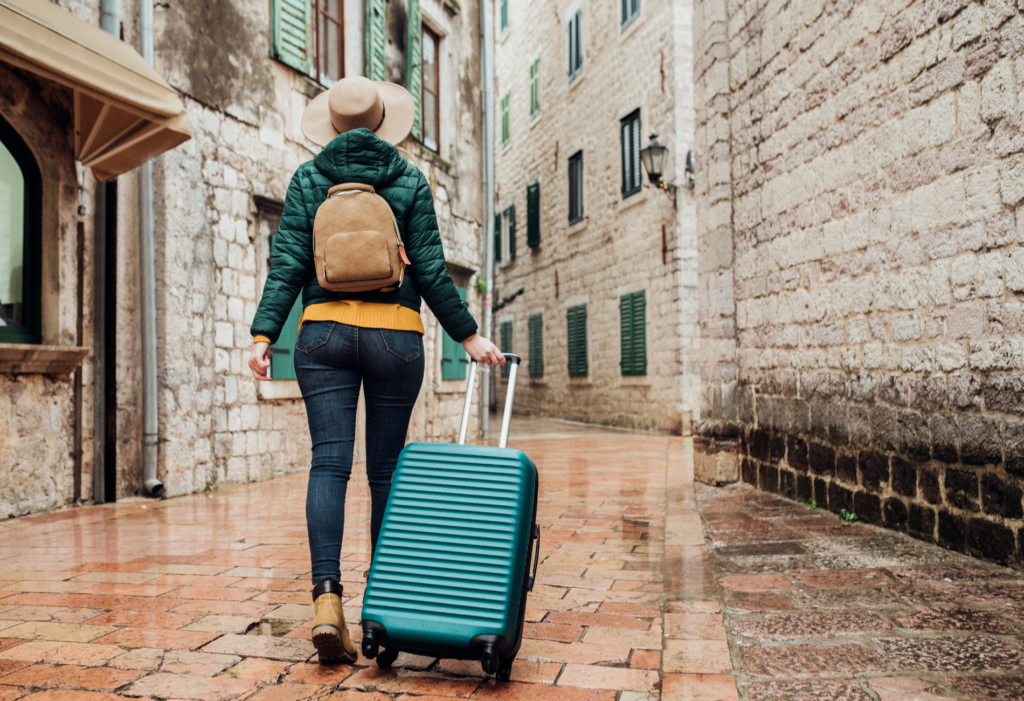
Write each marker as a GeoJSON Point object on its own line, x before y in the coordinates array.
{"type": "Point", "coordinates": [217, 202]}
{"type": "Point", "coordinates": [629, 239]}
{"type": "Point", "coordinates": [861, 268]}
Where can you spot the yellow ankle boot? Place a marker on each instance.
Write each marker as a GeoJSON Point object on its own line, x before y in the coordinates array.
{"type": "Point", "coordinates": [330, 634]}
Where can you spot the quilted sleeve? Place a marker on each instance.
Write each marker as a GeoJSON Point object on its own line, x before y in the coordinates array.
{"type": "Point", "coordinates": [428, 272]}
{"type": "Point", "coordinates": [291, 265]}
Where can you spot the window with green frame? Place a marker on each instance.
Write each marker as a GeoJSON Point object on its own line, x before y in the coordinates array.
{"type": "Point", "coordinates": [453, 356]}
{"type": "Point", "coordinates": [282, 353]}
{"type": "Point", "coordinates": [536, 346]}
{"type": "Point", "coordinates": [535, 88]}
{"type": "Point", "coordinates": [506, 345]}
{"type": "Point", "coordinates": [506, 135]}
{"type": "Point", "coordinates": [20, 255]}
{"type": "Point", "coordinates": [633, 325]}
{"type": "Point", "coordinates": [576, 322]}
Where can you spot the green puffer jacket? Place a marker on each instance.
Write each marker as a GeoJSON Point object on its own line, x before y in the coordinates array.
{"type": "Point", "coordinates": [360, 157]}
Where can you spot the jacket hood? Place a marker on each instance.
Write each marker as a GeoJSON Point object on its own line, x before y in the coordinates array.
{"type": "Point", "coordinates": [360, 156]}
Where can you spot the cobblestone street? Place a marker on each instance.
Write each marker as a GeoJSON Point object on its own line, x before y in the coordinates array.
{"type": "Point", "coordinates": [650, 588]}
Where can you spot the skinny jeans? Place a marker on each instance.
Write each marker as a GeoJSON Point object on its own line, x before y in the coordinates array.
{"type": "Point", "coordinates": [332, 360]}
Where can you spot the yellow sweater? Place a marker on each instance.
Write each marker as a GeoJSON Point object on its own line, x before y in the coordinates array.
{"type": "Point", "coordinates": [367, 315]}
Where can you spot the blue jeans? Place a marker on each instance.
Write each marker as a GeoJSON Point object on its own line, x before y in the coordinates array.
{"type": "Point", "coordinates": [331, 361]}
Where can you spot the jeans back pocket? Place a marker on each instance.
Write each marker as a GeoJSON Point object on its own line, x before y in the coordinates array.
{"type": "Point", "coordinates": [313, 335]}
{"type": "Point", "coordinates": [407, 345]}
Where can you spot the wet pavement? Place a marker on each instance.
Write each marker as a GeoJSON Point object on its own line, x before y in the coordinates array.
{"type": "Point", "coordinates": [819, 608]}
{"type": "Point", "coordinates": [639, 598]}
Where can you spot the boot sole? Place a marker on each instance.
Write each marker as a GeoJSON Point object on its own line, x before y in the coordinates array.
{"type": "Point", "coordinates": [327, 641]}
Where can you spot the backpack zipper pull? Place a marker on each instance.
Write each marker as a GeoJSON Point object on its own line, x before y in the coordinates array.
{"type": "Point", "coordinates": [402, 255]}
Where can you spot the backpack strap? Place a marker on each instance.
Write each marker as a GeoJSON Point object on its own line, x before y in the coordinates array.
{"type": "Point", "coordinates": [349, 186]}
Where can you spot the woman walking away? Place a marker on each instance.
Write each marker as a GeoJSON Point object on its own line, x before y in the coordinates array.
{"type": "Point", "coordinates": [373, 337]}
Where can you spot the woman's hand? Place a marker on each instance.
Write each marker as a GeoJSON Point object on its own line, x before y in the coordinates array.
{"type": "Point", "coordinates": [483, 351]}
{"type": "Point", "coordinates": [259, 363]}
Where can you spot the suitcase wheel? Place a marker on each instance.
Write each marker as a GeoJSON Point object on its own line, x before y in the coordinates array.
{"type": "Point", "coordinates": [387, 657]}
{"type": "Point", "coordinates": [505, 673]}
{"type": "Point", "coordinates": [489, 660]}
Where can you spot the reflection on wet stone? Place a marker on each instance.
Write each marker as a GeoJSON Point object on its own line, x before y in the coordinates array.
{"type": "Point", "coordinates": [810, 625]}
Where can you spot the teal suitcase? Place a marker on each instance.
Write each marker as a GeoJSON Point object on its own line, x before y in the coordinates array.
{"type": "Point", "coordinates": [457, 551]}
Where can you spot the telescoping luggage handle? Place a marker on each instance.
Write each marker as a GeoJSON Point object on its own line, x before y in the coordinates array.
{"type": "Point", "coordinates": [506, 418]}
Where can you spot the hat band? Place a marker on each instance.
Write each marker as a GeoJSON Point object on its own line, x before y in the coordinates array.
{"type": "Point", "coordinates": [383, 112]}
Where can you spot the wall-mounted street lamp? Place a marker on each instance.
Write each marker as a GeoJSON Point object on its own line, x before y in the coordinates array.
{"type": "Point", "coordinates": [653, 156]}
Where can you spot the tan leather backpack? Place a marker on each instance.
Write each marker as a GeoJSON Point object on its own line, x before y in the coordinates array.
{"type": "Point", "coordinates": [356, 244]}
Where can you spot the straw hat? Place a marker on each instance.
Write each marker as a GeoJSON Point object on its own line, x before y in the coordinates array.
{"type": "Point", "coordinates": [385, 109]}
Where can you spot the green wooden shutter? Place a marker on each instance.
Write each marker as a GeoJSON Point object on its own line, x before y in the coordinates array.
{"type": "Point", "coordinates": [535, 88]}
{"type": "Point", "coordinates": [453, 356]}
{"type": "Point", "coordinates": [533, 215]}
{"type": "Point", "coordinates": [497, 238]}
{"type": "Point", "coordinates": [536, 349]}
{"type": "Point", "coordinates": [292, 28]}
{"type": "Point", "coordinates": [576, 318]}
{"type": "Point", "coordinates": [505, 128]}
{"type": "Point", "coordinates": [504, 15]}
{"type": "Point", "coordinates": [511, 231]}
{"type": "Point", "coordinates": [506, 345]}
{"type": "Point", "coordinates": [414, 65]}
{"type": "Point", "coordinates": [282, 360]}
{"type": "Point", "coordinates": [376, 42]}
{"type": "Point", "coordinates": [626, 333]}
{"type": "Point", "coordinates": [640, 333]}
{"type": "Point", "coordinates": [633, 325]}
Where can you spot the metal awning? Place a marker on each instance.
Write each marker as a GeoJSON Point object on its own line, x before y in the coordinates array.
{"type": "Point", "coordinates": [125, 113]}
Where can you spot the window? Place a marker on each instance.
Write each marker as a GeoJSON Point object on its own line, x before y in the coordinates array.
{"type": "Point", "coordinates": [533, 215]}
{"type": "Point", "coordinates": [633, 324]}
{"type": "Point", "coordinates": [629, 10]}
{"type": "Point", "coordinates": [506, 345]}
{"type": "Point", "coordinates": [630, 137]}
{"type": "Point", "coordinates": [536, 347]}
{"type": "Point", "coordinates": [575, 43]}
{"type": "Point", "coordinates": [505, 234]}
{"type": "Point", "coordinates": [576, 318]}
{"type": "Point", "coordinates": [431, 82]}
{"type": "Point", "coordinates": [505, 126]}
{"type": "Point", "coordinates": [576, 187]}
{"type": "Point", "coordinates": [330, 41]}
{"type": "Point", "coordinates": [453, 355]}
{"type": "Point", "coordinates": [535, 88]}
{"type": "Point", "coordinates": [282, 361]}
{"type": "Point", "coordinates": [504, 15]}
{"type": "Point", "coordinates": [309, 36]}
{"type": "Point", "coordinates": [20, 266]}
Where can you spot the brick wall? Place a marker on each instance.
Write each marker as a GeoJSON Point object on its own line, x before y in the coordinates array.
{"type": "Point", "coordinates": [861, 255]}
{"type": "Point", "coordinates": [618, 247]}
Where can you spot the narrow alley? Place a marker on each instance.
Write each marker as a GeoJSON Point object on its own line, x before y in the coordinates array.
{"type": "Point", "coordinates": [650, 588]}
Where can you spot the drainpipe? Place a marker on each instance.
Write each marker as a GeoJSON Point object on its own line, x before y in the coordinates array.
{"type": "Point", "coordinates": [147, 281]}
{"type": "Point", "coordinates": [487, 94]}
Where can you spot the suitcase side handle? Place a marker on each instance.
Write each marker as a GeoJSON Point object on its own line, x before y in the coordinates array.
{"type": "Point", "coordinates": [506, 419]}
{"type": "Point", "coordinates": [536, 557]}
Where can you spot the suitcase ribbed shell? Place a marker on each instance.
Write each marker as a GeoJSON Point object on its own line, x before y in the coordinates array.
{"type": "Point", "coordinates": [452, 547]}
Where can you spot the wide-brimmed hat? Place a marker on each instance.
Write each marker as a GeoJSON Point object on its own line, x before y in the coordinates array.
{"type": "Point", "coordinates": [385, 109]}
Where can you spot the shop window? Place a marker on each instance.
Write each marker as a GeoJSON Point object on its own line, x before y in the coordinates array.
{"type": "Point", "coordinates": [20, 266]}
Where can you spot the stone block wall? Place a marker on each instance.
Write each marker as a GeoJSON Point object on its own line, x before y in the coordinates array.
{"type": "Point", "coordinates": [622, 245]}
{"type": "Point", "coordinates": [861, 240]}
